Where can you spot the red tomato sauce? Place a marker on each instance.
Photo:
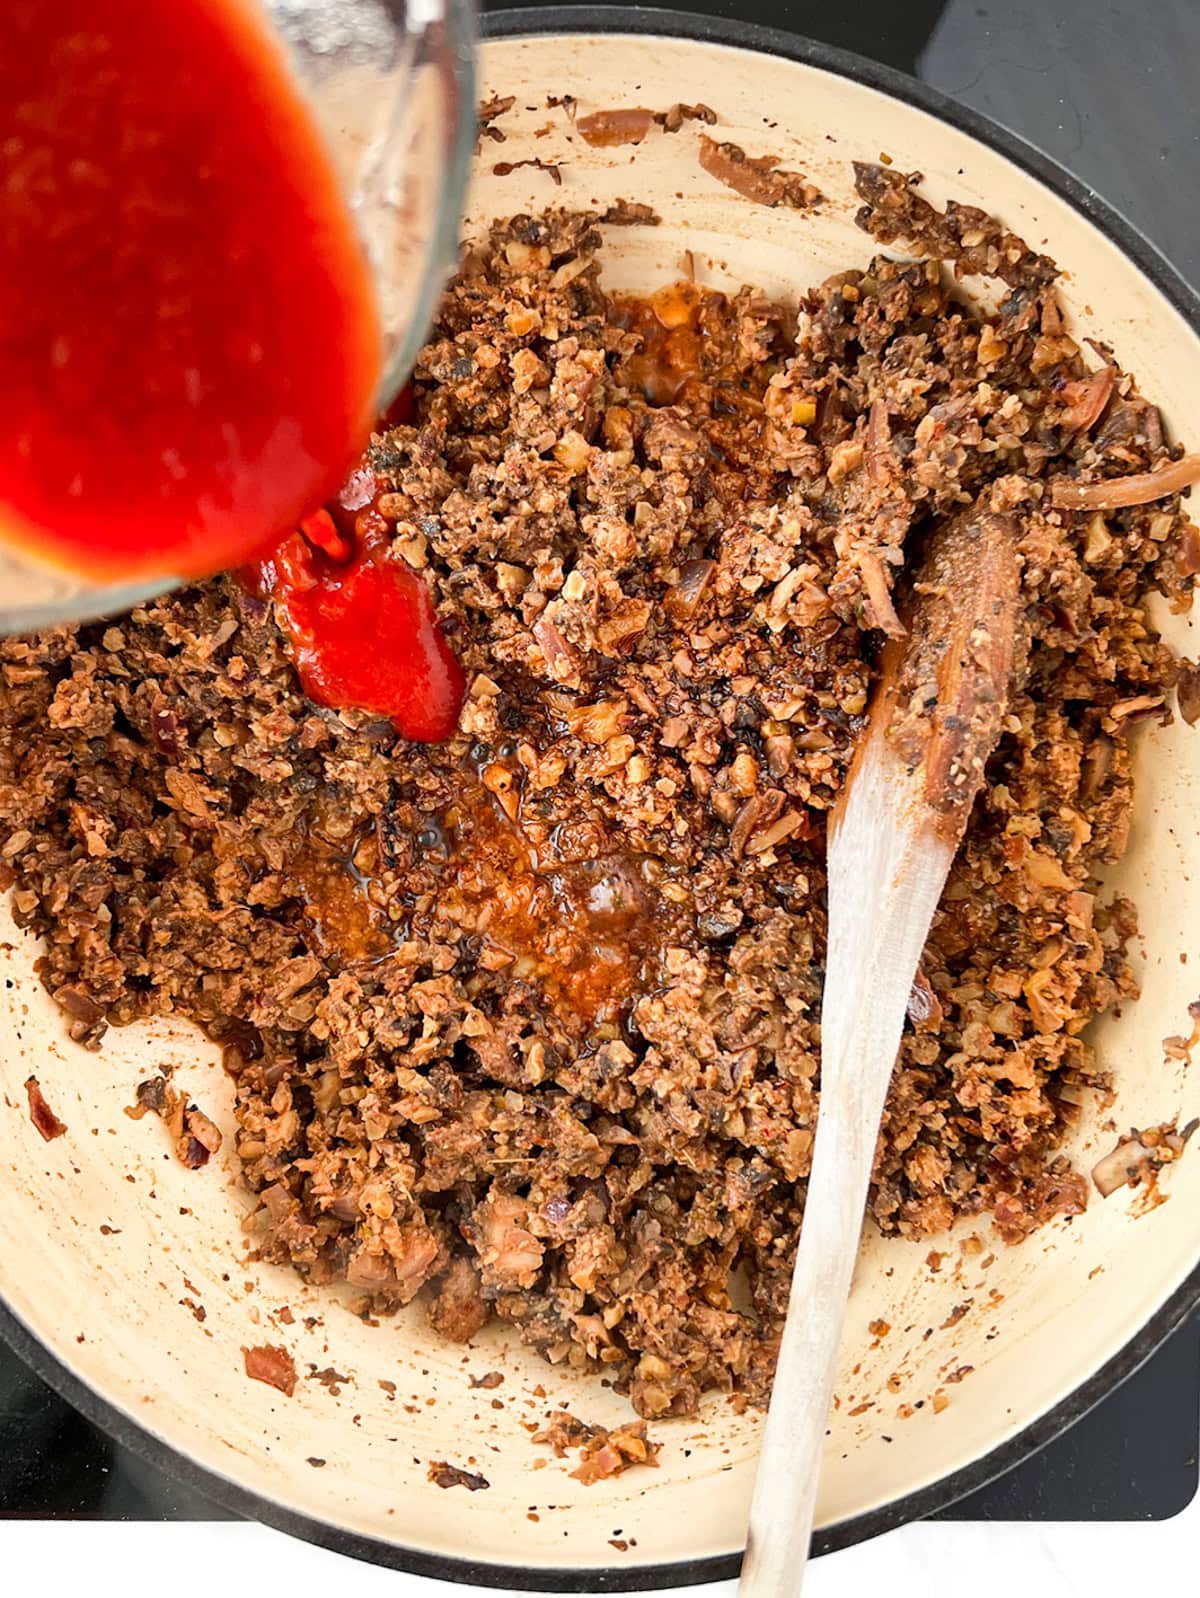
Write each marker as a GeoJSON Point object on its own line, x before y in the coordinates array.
{"type": "Point", "coordinates": [189, 346]}
{"type": "Point", "coordinates": [361, 621]}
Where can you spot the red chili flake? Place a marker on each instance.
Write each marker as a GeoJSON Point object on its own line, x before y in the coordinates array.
{"type": "Point", "coordinates": [40, 1113]}
{"type": "Point", "coordinates": [164, 727]}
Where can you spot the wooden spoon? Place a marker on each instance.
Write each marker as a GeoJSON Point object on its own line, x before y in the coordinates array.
{"type": "Point", "coordinates": [935, 717]}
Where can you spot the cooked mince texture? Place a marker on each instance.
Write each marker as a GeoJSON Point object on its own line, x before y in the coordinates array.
{"type": "Point", "coordinates": [527, 1023]}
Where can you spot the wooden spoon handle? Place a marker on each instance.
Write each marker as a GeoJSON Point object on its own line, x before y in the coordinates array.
{"type": "Point", "coordinates": [941, 701]}
{"type": "Point", "coordinates": [885, 877]}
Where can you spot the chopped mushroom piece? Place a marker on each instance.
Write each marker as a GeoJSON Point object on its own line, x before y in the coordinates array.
{"type": "Point", "coordinates": [758, 178]}
{"type": "Point", "coordinates": [1139, 1154]}
{"type": "Point", "coordinates": [196, 1138]}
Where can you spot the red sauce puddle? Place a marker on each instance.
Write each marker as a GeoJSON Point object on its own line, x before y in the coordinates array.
{"type": "Point", "coordinates": [189, 345]}
{"type": "Point", "coordinates": [346, 923]}
{"type": "Point", "coordinates": [566, 909]}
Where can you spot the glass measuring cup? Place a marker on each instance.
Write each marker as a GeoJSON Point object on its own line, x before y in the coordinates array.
{"type": "Point", "coordinates": [391, 87]}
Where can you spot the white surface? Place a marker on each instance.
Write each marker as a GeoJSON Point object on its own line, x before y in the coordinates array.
{"type": "Point", "coordinates": [922, 1561]}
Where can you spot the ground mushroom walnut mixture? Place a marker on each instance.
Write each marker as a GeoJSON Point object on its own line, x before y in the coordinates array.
{"type": "Point", "coordinates": [528, 1022]}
